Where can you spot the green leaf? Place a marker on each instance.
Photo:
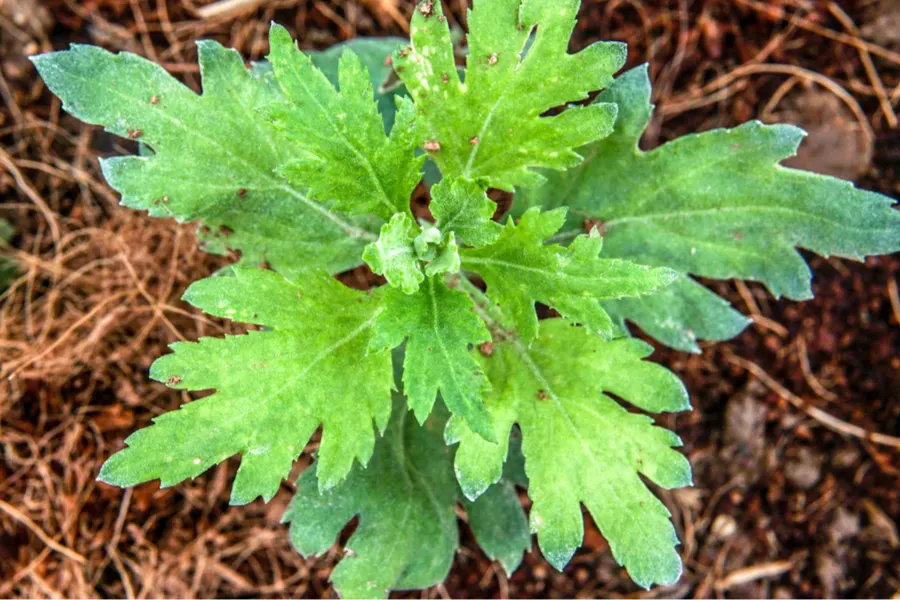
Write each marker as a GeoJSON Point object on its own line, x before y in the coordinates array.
{"type": "Point", "coordinates": [718, 205]}
{"type": "Point", "coordinates": [343, 154]}
{"type": "Point", "coordinates": [520, 270]}
{"type": "Point", "coordinates": [581, 446]}
{"type": "Point", "coordinates": [518, 68]}
{"type": "Point", "coordinates": [680, 314]}
{"type": "Point", "coordinates": [462, 206]}
{"type": "Point", "coordinates": [375, 56]}
{"type": "Point", "coordinates": [496, 516]}
{"type": "Point", "coordinates": [273, 388]}
{"type": "Point", "coordinates": [394, 254]}
{"type": "Point", "coordinates": [214, 158]}
{"type": "Point", "coordinates": [405, 501]}
{"type": "Point", "coordinates": [440, 326]}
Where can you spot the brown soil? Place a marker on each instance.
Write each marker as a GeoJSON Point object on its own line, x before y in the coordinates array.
{"type": "Point", "coordinates": [783, 504]}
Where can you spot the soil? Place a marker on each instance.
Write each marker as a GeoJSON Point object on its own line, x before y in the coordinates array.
{"type": "Point", "coordinates": [786, 502]}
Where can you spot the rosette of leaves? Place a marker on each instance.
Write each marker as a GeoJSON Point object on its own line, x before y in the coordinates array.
{"type": "Point", "coordinates": [304, 166]}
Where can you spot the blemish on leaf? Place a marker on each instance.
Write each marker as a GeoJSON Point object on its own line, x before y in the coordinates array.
{"type": "Point", "coordinates": [404, 52]}
{"type": "Point", "coordinates": [486, 349]}
{"type": "Point", "coordinates": [445, 78]}
{"type": "Point", "coordinates": [493, 59]}
{"type": "Point", "coordinates": [134, 134]}
{"type": "Point", "coordinates": [242, 193]}
{"type": "Point", "coordinates": [154, 100]}
{"type": "Point", "coordinates": [474, 141]}
{"type": "Point", "coordinates": [432, 146]}
{"type": "Point", "coordinates": [427, 8]}
{"type": "Point", "coordinates": [173, 380]}
{"type": "Point", "coordinates": [389, 61]}
{"type": "Point", "coordinates": [542, 395]}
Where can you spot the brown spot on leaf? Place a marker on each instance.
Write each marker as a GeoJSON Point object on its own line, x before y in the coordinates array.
{"type": "Point", "coordinates": [486, 348]}
{"type": "Point", "coordinates": [242, 192]}
{"type": "Point", "coordinates": [389, 61]}
{"type": "Point", "coordinates": [445, 78]}
{"type": "Point", "coordinates": [134, 134]}
{"type": "Point", "coordinates": [427, 8]}
{"type": "Point", "coordinates": [173, 381]}
{"type": "Point", "coordinates": [154, 100]}
{"type": "Point", "coordinates": [432, 146]}
{"type": "Point", "coordinates": [474, 141]}
{"type": "Point", "coordinates": [404, 52]}
{"type": "Point", "coordinates": [492, 60]}
{"type": "Point", "coordinates": [542, 395]}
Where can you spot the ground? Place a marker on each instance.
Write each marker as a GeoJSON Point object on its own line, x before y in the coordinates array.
{"type": "Point", "coordinates": [794, 495]}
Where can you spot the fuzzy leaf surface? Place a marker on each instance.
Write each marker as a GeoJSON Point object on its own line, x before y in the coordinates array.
{"type": "Point", "coordinates": [715, 204]}
{"type": "Point", "coordinates": [496, 517]}
{"type": "Point", "coordinates": [582, 447]}
{"type": "Point", "coordinates": [373, 53]}
{"type": "Point", "coordinates": [344, 156]}
{"type": "Point", "coordinates": [214, 157]}
{"type": "Point", "coordinates": [440, 326]}
{"type": "Point", "coordinates": [462, 207]}
{"type": "Point", "coordinates": [394, 254]}
{"type": "Point", "coordinates": [492, 126]}
{"type": "Point", "coordinates": [520, 269]}
{"type": "Point", "coordinates": [405, 500]}
{"type": "Point", "coordinates": [273, 388]}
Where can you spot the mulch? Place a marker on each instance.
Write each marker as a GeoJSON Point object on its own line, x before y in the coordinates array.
{"type": "Point", "coordinates": [793, 496]}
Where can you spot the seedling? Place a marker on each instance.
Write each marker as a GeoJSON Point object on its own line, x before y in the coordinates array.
{"type": "Point", "coordinates": [304, 168]}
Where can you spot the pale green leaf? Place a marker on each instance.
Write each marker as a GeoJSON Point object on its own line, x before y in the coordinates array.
{"type": "Point", "coordinates": [375, 55]}
{"type": "Point", "coordinates": [343, 154]}
{"type": "Point", "coordinates": [214, 157]}
{"type": "Point", "coordinates": [394, 254]}
{"type": "Point", "coordinates": [520, 270]}
{"type": "Point", "coordinates": [680, 314]}
{"type": "Point", "coordinates": [716, 204]}
{"type": "Point", "coordinates": [273, 388]}
{"type": "Point", "coordinates": [440, 328]}
{"type": "Point", "coordinates": [405, 500]}
{"type": "Point", "coordinates": [461, 206]}
{"type": "Point", "coordinates": [582, 447]}
{"type": "Point", "coordinates": [496, 517]}
{"type": "Point", "coordinates": [518, 68]}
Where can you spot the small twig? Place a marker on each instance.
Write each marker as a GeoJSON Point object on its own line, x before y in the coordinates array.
{"type": "Point", "coordinates": [226, 7]}
{"type": "Point", "coordinates": [50, 542]}
{"type": "Point", "coordinates": [810, 377]}
{"type": "Point", "coordinates": [895, 298]}
{"type": "Point", "coordinates": [826, 419]}
{"type": "Point", "coordinates": [754, 573]}
{"type": "Point", "coordinates": [869, 66]}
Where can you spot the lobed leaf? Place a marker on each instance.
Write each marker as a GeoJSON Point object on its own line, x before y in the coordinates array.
{"type": "Point", "coordinates": [716, 204]}
{"type": "Point", "coordinates": [273, 388]}
{"type": "Point", "coordinates": [581, 446]}
{"type": "Point", "coordinates": [343, 154]}
{"type": "Point", "coordinates": [520, 270]}
{"type": "Point", "coordinates": [462, 206]}
{"type": "Point", "coordinates": [405, 500]}
{"type": "Point", "coordinates": [440, 328]}
{"type": "Point", "coordinates": [394, 254]}
{"type": "Point", "coordinates": [492, 125]}
{"type": "Point", "coordinates": [212, 158]}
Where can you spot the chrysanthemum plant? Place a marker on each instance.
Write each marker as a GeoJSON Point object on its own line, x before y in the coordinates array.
{"type": "Point", "coordinates": [303, 166]}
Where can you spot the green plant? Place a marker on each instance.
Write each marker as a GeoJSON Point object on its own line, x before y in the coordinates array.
{"type": "Point", "coordinates": [304, 166]}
